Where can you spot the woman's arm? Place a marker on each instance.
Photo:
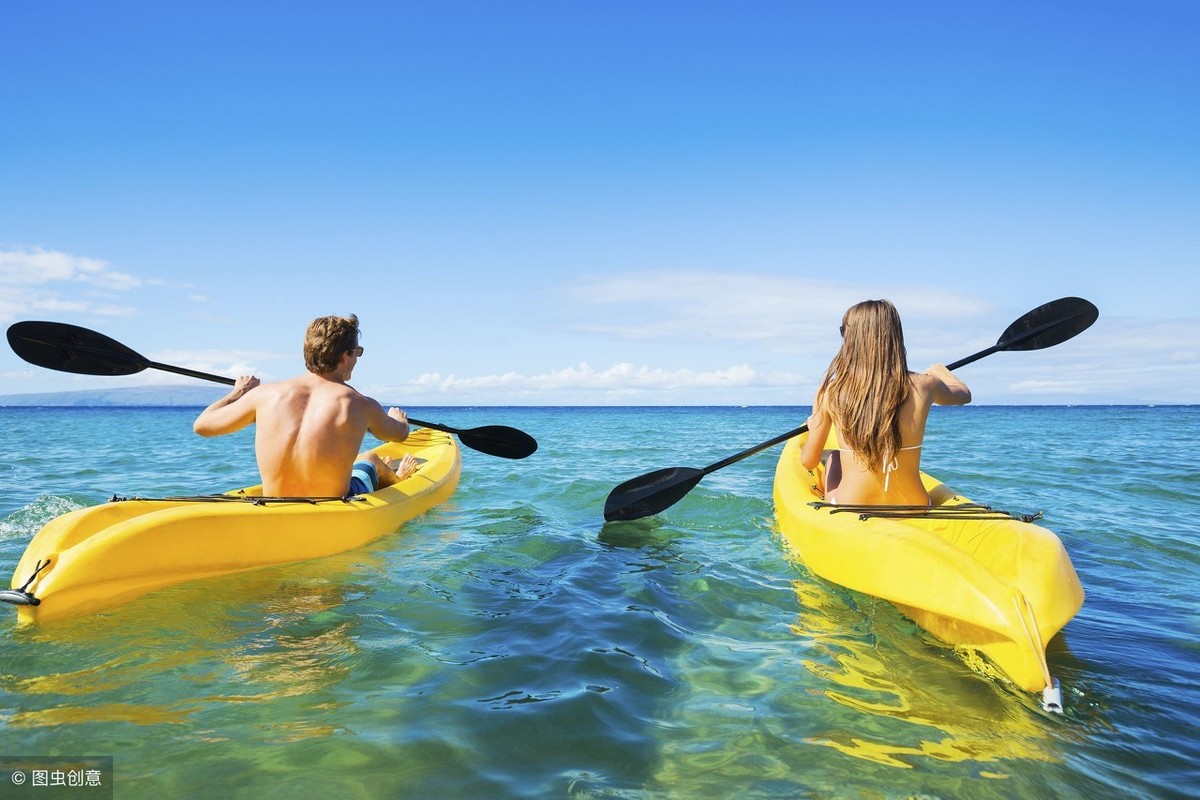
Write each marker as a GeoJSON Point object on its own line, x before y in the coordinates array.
{"type": "Point", "coordinates": [946, 389]}
{"type": "Point", "coordinates": [819, 424]}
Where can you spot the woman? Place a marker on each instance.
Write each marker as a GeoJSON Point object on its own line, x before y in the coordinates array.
{"type": "Point", "coordinates": [879, 409]}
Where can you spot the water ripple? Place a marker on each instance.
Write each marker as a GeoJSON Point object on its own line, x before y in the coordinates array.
{"type": "Point", "coordinates": [512, 644]}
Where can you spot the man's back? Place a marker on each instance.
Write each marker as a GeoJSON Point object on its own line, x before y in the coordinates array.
{"type": "Point", "coordinates": [309, 428]}
{"type": "Point", "coordinates": [308, 431]}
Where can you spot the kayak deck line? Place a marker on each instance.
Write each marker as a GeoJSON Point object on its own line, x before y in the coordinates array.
{"type": "Point", "coordinates": [239, 498]}
{"type": "Point", "coordinates": [958, 511]}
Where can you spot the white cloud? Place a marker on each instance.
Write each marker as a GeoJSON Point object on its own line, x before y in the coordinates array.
{"type": "Point", "coordinates": [619, 380]}
{"type": "Point", "coordinates": [1117, 360]}
{"type": "Point", "coordinates": [782, 314]}
{"type": "Point", "coordinates": [37, 266]}
{"type": "Point", "coordinates": [33, 279]}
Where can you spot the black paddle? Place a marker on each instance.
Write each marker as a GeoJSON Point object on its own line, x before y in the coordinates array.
{"type": "Point", "coordinates": [1045, 326]}
{"type": "Point", "coordinates": [70, 348]}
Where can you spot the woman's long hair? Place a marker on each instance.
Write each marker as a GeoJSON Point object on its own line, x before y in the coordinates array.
{"type": "Point", "coordinates": [868, 381]}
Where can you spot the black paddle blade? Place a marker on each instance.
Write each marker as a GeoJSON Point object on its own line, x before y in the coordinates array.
{"type": "Point", "coordinates": [1049, 324]}
{"type": "Point", "coordinates": [499, 440]}
{"type": "Point", "coordinates": [649, 494]}
{"type": "Point", "coordinates": [69, 348]}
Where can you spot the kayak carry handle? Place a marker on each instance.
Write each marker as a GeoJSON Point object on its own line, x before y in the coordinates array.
{"type": "Point", "coordinates": [23, 597]}
{"type": "Point", "coordinates": [18, 598]}
{"type": "Point", "coordinates": [1052, 697]}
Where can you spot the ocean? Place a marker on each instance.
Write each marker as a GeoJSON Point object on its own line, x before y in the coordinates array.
{"type": "Point", "coordinates": [511, 644]}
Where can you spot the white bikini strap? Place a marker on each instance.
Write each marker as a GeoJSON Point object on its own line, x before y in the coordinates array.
{"type": "Point", "coordinates": [888, 469]}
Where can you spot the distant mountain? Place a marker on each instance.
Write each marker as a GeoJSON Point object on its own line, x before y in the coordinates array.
{"type": "Point", "coordinates": [134, 396]}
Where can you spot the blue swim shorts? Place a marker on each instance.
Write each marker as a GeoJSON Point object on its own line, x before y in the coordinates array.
{"type": "Point", "coordinates": [363, 478]}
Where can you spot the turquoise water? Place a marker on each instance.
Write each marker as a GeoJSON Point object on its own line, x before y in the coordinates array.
{"type": "Point", "coordinates": [511, 644]}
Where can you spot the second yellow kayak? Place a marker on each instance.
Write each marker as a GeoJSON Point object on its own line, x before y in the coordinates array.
{"type": "Point", "coordinates": [973, 577]}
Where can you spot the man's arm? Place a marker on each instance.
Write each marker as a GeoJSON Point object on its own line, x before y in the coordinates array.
{"type": "Point", "coordinates": [388, 427]}
{"type": "Point", "coordinates": [231, 413]}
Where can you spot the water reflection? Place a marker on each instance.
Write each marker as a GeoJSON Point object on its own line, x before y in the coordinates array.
{"type": "Point", "coordinates": [910, 696]}
{"type": "Point", "coordinates": [275, 634]}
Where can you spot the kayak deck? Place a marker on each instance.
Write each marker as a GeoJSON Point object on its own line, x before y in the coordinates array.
{"type": "Point", "coordinates": [972, 577]}
{"type": "Point", "coordinates": [104, 555]}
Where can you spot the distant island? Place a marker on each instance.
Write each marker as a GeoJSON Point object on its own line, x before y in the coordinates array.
{"type": "Point", "coordinates": [134, 396]}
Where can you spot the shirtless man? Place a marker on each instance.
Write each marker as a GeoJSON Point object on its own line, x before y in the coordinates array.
{"type": "Point", "coordinates": [308, 429]}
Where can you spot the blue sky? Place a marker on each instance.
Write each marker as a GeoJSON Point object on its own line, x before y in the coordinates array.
{"type": "Point", "coordinates": [559, 203]}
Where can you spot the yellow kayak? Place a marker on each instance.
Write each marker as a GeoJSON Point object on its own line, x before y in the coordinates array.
{"type": "Point", "coordinates": [102, 556]}
{"type": "Point", "coordinates": [975, 578]}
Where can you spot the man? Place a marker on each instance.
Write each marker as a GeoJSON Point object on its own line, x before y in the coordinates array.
{"type": "Point", "coordinates": [309, 428]}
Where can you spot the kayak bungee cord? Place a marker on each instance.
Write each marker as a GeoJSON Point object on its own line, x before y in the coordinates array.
{"type": "Point", "coordinates": [253, 500]}
{"type": "Point", "coordinates": [971, 511]}
{"type": "Point", "coordinates": [995, 514]}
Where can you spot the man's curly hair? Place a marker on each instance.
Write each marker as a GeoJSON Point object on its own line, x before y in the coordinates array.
{"type": "Point", "coordinates": [325, 341]}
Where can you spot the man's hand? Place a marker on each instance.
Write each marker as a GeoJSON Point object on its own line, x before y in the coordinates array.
{"type": "Point", "coordinates": [243, 384]}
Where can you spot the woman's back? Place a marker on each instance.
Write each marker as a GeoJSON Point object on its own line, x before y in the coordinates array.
{"type": "Point", "coordinates": [899, 481]}
{"type": "Point", "coordinates": [879, 409]}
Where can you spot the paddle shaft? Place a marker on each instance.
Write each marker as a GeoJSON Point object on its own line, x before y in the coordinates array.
{"type": "Point", "coordinates": [1007, 344]}
{"type": "Point", "coordinates": [230, 382]}
{"type": "Point", "coordinates": [1045, 326]}
{"type": "Point", "coordinates": [783, 437]}
{"type": "Point", "coordinates": [758, 448]}
{"type": "Point", "coordinates": [70, 348]}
